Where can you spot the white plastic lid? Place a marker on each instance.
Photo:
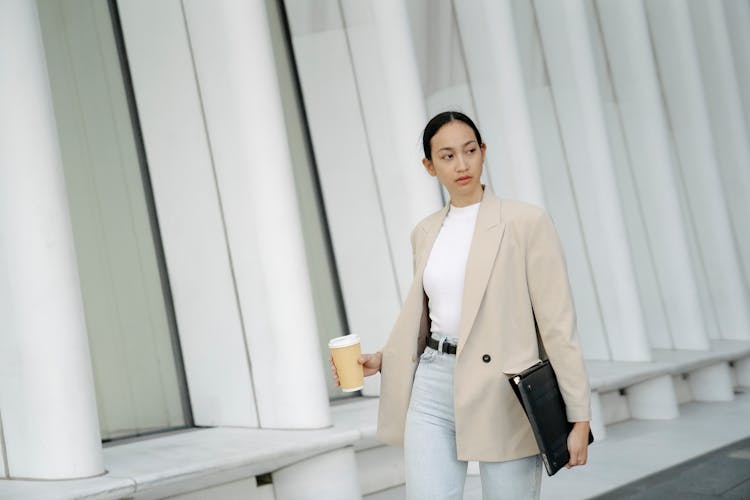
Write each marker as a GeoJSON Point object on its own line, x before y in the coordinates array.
{"type": "Point", "coordinates": [344, 341]}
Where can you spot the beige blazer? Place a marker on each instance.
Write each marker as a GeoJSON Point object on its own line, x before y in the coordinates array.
{"type": "Point", "coordinates": [515, 263]}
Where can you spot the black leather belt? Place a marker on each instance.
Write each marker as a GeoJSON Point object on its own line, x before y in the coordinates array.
{"type": "Point", "coordinates": [448, 348]}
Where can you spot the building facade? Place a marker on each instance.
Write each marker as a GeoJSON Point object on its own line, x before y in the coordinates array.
{"type": "Point", "coordinates": [183, 185]}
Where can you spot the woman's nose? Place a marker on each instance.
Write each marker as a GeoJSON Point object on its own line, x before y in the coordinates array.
{"type": "Point", "coordinates": [461, 164]}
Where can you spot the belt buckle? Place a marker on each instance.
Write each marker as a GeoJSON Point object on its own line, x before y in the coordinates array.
{"type": "Point", "coordinates": [441, 342]}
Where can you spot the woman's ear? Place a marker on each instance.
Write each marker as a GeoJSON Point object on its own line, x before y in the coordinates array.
{"type": "Point", "coordinates": [429, 167]}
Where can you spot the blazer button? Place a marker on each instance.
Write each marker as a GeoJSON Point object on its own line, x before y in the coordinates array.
{"type": "Point", "coordinates": [413, 358]}
{"type": "Point", "coordinates": [486, 358]}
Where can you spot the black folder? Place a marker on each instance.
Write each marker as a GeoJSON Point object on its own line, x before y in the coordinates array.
{"type": "Point", "coordinates": [538, 392]}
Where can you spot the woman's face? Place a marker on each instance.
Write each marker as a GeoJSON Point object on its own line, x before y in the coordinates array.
{"type": "Point", "coordinates": [457, 161]}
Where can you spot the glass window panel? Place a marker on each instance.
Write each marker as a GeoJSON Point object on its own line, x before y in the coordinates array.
{"type": "Point", "coordinates": [135, 355]}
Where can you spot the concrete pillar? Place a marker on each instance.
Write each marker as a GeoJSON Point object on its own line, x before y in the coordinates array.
{"type": "Point", "coordinates": [712, 383]}
{"type": "Point", "coordinates": [493, 61]}
{"type": "Point", "coordinates": [236, 74]}
{"type": "Point", "coordinates": [393, 106]}
{"type": "Point", "coordinates": [191, 223]}
{"type": "Point", "coordinates": [728, 121]}
{"type": "Point", "coordinates": [684, 95]}
{"type": "Point", "coordinates": [597, 425]}
{"type": "Point", "coordinates": [681, 388]}
{"type": "Point", "coordinates": [3, 462]}
{"type": "Point", "coordinates": [323, 48]}
{"type": "Point", "coordinates": [47, 399]}
{"type": "Point", "coordinates": [653, 399]}
{"type": "Point", "coordinates": [737, 16]}
{"type": "Point", "coordinates": [654, 170]}
{"type": "Point", "coordinates": [742, 371]}
{"type": "Point", "coordinates": [572, 71]}
{"type": "Point", "coordinates": [332, 476]}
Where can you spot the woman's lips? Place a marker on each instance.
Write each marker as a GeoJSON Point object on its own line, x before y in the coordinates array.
{"type": "Point", "coordinates": [463, 180]}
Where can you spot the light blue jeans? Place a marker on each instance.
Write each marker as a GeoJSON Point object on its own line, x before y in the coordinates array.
{"type": "Point", "coordinates": [432, 470]}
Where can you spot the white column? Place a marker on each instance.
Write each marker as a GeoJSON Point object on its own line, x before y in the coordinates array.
{"type": "Point", "coordinates": [653, 399]}
{"type": "Point", "coordinates": [598, 427]}
{"type": "Point", "coordinates": [191, 222]}
{"type": "Point", "coordinates": [738, 20]}
{"type": "Point", "coordinates": [742, 371]}
{"type": "Point", "coordinates": [3, 463]}
{"type": "Point", "coordinates": [569, 57]}
{"type": "Point", "coordinates": [242, 104]}
{"type": "Point", "coordinates": [344, 164]}
{"type": "Point", "coordinates": [728, 121]}
{"type": "Point", "coordinates": [683, 91]}
{"type": "Point", "coordinates": [712, 383]}
{"type": "Point", "coordinates": [47, 399]}
{"type": "Point", "coordinates": [646, 129]}
{"type": "Point", "coordinates": [493, 60]}
{"type": "Point", "coordinates": [390, 92]}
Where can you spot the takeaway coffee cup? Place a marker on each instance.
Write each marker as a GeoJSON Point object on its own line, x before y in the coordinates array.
{"type": "Point", "coordinates": [346, 351]}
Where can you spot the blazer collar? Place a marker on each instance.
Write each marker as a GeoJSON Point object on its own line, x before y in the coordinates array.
{"type": "Point", "coordinates": [488, 233]}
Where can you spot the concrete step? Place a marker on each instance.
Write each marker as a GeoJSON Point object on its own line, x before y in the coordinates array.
{"type": "Point", "coordinates": [622, 393]}
{"type": "Point", "coordinates": [654, 390]}
{"type": "Point", "coordinates": [635, 449]}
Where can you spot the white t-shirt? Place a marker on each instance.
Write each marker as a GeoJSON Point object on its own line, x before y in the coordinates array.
{"type": "Point", "coordinates": [444, 272]}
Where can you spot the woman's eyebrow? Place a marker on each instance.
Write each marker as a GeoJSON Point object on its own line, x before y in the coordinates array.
{"type": "Point", "coordinates": [451, 149]}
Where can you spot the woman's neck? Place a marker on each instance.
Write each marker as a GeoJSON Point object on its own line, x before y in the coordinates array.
{"type": "Point", "coordinates": [468, 198]}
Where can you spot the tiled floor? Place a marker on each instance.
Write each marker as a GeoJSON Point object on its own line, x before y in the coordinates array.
{"type": "Point", "coordinates": [636, 449]}
{"type": "Point", "coordinates": [724, 474]}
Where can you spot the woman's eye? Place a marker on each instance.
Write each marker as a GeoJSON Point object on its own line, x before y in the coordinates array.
{"type": "Point", "coordinates": [472, 150]}
{"type": "Point", "coordinates": [447, 157]}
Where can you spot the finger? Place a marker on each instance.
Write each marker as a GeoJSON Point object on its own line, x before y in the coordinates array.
{"type": "Point", "coordinates": [576, 459]}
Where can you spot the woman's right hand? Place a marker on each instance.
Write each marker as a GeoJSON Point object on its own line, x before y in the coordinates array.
{"type": "Point", "coordinates": [370, 365]}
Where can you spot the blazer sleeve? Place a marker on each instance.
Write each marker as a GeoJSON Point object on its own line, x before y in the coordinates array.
{"type": "Point", "coordinates": [551, 298]}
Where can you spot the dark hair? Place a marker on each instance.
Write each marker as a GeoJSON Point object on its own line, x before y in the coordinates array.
{"type": "Point", "coordinates": [437, 122]}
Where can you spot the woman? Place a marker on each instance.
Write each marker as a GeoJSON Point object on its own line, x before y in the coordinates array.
{"type": "Point", "coordinates": [487, 274]}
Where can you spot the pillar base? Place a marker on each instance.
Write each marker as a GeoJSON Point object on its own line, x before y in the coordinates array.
{"type": "Point", "coordinates": [597, 418]}
{"type": "Point", "coordinates": [332, 476]}
{"type": "Point", "coordinates": [712, 383]}
{"type": "Point", "coordinates": [3, 465]}
{"type": "Point", "coordinates": [653, 399]}
{"type": "Point", "coordinates": [742, 371]}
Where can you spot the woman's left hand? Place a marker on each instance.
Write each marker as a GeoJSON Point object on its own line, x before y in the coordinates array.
{"type": "Point", "coordinates": [578, 443]}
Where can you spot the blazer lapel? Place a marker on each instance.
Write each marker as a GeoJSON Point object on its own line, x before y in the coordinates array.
{"type": "Point", "coordinates": [431, 228]}
{"type": "Point", "coordinates": [488, 233]}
